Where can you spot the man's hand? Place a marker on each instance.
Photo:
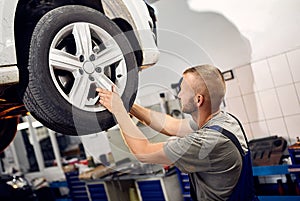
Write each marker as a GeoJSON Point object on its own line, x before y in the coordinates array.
{"type": "Point", "coordinates": [110, 100]}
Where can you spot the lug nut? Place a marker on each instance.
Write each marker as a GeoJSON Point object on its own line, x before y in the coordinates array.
{"type": "Point", "coordinates": [81, 58]}
{"type": "Point", "coordinates": [92, 78]}
{"type": "Point", "coordinates": [98, 70]}
{"type": "Point", "coordinates": [92, 57]}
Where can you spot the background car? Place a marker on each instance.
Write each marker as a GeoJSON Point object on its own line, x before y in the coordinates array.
{"type": "Point", "coordinates": [54, 53]}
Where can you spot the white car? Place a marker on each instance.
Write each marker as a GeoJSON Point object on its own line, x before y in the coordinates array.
{"type": "Point", "coordinates": [54, 53]}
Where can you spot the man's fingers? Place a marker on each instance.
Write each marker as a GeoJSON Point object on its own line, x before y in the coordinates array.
{"type": "Point", "coordinates": [99, 89]}
{"type": "Point", "coordinates": [102, 91]}
{"type": "Point", "coordinates": [113, 88]}
{"type": "Point", "coordinates": [105, 91]}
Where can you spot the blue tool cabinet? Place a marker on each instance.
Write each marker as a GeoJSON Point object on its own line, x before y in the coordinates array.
{"type": "Point", "coordinates": [77, 188]}
{"type": "Point", "coordinates": [97, 191]}
{"type": "Point", "coordinates": [82, 191]}
{"type": "Point", "coordinates": [184, 185]}
{"type": "Point", "coordinates": [151, 190]}
{"type": "Point", "coordinates": [159, 189]}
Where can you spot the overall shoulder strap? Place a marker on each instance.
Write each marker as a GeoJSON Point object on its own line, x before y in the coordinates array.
{"type": "Point", "coordinates": [230, 135]}
{"type": "Point", "coordinates": [241, 128]}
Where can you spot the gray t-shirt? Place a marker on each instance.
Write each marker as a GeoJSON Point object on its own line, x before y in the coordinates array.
{"type": "Point", "coordinates": [211, 159]}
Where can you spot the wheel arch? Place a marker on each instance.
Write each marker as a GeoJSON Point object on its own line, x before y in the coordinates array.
{"type": "Point", "coordinates": [128, 30]}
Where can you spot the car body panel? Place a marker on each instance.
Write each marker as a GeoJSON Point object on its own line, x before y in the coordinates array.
{"type": "Point", "coordinates": [9, 75]}
{"type": "Point", "coordinates": [7, 40]}
{"type": "Point", "coordinates": [134, 16]}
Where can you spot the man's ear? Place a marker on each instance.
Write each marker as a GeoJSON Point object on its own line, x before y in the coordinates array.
{"type": "Point", "coordinates": [199, 99]}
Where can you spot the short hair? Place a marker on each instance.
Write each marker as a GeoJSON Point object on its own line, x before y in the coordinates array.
{"type": "Point", "coordinates": [213, 79]}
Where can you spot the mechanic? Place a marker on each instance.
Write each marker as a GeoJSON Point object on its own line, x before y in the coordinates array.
{"type": "Point", "coordinates": [211, 159]}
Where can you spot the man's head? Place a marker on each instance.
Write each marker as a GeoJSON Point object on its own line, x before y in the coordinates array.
{"type": "Point", "coordinates": [202, 86]}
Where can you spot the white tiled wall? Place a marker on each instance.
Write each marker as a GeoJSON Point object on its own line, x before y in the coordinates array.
{"type": "Point", "coordinates": [294, 60]}
{"type": "Point", "coordinates": [265, 95]}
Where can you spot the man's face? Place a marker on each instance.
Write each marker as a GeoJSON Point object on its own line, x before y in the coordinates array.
{"type": "Point", "coordinates": [187, 94]}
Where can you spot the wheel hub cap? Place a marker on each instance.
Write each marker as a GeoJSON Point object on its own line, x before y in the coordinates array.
{"type": "Point", "coordinates": [89, 67]}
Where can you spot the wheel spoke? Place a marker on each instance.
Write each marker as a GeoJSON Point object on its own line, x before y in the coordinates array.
{"type": "Point", "coordinates": [83, 40]}
{"type": "Point", "coordinates": [79, 92]}
{"type": "Point", "coordinates": [110, 55]}
{"type": "Point", "coordinates": [104, 82]}
{"type": "Point", "coordinates": [63, 60]}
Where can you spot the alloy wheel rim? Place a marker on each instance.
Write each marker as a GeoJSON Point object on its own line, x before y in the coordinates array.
{"type": "Point", "coordinates": [84, 56]}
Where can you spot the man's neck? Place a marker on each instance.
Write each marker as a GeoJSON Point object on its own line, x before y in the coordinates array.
{"type": "Point", "coordinates": [202, 117]}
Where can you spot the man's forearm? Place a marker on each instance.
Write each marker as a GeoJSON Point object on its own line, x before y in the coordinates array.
{"type": "Point", "coordinates": [134, 138]}
{"type": "Point", "coordinates": [156, 120]}
{"type": "Point", "coordinates": [161, 122]}
{"type": "Point", "coordinates": [141, 113]}
{"type": "Point", "coordinates": [127, 125]}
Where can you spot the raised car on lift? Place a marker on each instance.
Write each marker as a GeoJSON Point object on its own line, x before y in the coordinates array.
{"type": "Point", "coordinates": [54, 53]}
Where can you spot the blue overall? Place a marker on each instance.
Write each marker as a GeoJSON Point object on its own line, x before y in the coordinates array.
{"type": "Point", "coordinates": [244, 189]}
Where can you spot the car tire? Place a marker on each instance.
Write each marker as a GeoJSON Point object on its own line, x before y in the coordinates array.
{"type": "Point", "coordinates": [8, 129]}
{"type": "Point", "coordinates": [73, 50]}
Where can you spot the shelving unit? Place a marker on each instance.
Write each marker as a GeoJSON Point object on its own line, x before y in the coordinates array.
{"type": "Point", "coordinates": [278, 170]}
